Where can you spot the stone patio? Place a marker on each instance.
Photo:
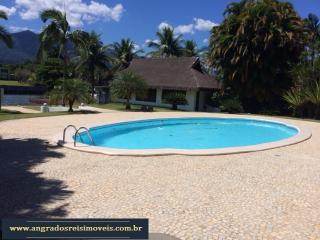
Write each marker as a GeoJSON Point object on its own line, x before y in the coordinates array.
{"type": "Point", "coordinates": [271, 194]}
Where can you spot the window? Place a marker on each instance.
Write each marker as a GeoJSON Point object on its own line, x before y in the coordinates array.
{"type": "Point", "coordinates": [165, 92]}
{"type": "Point", "coordinates": [151, 96]}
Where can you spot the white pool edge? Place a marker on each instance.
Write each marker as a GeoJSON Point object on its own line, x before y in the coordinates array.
{"type": "Point", "coordinates": [302, 135]}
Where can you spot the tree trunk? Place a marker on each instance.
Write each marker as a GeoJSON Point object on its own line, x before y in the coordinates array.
{"type": "Point", "coordinates": [174, 106]}
{"type": "Point", "coordinates": [128, 107]}
{"type": "Point", "coordinates": [92, 81]}
{"type": "Point", "coordinates": [71, 102]}
{"type": "Point", "coordinates": [65, 62]}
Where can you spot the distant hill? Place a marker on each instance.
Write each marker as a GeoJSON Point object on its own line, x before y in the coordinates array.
{"type": "Point", "coordinates": [26, 45]}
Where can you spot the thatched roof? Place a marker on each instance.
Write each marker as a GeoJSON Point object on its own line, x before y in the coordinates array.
{"type": "Point", "coordinates": [173, 73]}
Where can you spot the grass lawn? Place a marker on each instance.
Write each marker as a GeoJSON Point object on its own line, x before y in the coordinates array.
{"type": "Point", "coordinates": [121, 107]}
{"type": "Point", "coordinates": [33, 107]}
{"type": "Point", "coordinates": [11, 115]}
{"type": "Point", "coordinates": [12, 83]}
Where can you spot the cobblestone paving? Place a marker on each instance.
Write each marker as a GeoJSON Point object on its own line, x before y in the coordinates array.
{"type": "Point", "coordinates": [273, 194]}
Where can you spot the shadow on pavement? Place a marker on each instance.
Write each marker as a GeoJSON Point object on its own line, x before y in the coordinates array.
{"type": "Point", "coordinates": [24, 193]}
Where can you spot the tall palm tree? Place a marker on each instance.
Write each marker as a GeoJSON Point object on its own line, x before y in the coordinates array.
{"type": "Point", "coordinates": [57, 34]}
{"type": "Point", "coordinates": [123, 53]}
{"type": "Point", "coordinates": [93, 56]}
{"type": "Point", "coordinates": [313, 25]}
{"type": "Point", "coordinates": [167, 45]}
{"type": "Point", "coordinates": [4, 34]}
{"type": "Point", "coordinates": [190, 49]}
{"type": "Point", "coordinates": [254, 48]}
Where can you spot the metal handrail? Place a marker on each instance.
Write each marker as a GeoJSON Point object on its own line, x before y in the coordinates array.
{"type": "Point", "coordinates": [88, 133]}
{"type": "Point", "coordinates": [65, 129]}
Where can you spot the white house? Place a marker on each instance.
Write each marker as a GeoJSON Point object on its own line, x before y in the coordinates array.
{"type": "Point", "coordinates": [165, 75]}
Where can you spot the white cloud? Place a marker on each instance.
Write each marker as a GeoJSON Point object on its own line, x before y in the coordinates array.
{"type": "Point", "coordinates": [136, 47]}
{"type": "Point", "coordinates": [78, 11]}
{"type": "Point", "coordinates": [204, 25]}
{"type": "Point", "coordinates": [199, 24]}
{"type": "Point", "coordinates": [147, 41]}
{"type": "Point", "coordinates": [7, 10]}
{"type": "Point", "coordinates": [182, 29]}
{"type": "Point", "coordinates": [15, 29]}
{"type": "Point", "coordinates": [206, 40]}
{"type": "Point", "coordinates": [164, 25]}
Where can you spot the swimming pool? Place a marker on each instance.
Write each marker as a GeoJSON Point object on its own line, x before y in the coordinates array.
{"type": "Point", "coordinates": [194, 133]}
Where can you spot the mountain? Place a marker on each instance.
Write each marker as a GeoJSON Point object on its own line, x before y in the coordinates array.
{"type": "Point", "coordinates": [25, 48]}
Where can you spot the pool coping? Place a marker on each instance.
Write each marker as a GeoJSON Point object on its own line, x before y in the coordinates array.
{"type": "Point", "coordinates": [303, 135]}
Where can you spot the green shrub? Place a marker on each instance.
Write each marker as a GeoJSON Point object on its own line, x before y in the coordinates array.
{"type": "Point", "coordinates": [295, 99]}
{"type": "Point", "coordinates": [313, 95]}
{"type": "Point", "coordinates": [304, 102]}
{"type": "Point", "coordinates": [231, 105]}
{"type": "Point", "coordinates": [127, 84]}
{"type": "Point", "coordinates": [70, 90]}
{"type": "Point", "coordinates": [175, 99]}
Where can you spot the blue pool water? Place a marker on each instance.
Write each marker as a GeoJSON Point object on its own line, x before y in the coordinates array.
{"type": "Point", "coordinates": [188, 133]}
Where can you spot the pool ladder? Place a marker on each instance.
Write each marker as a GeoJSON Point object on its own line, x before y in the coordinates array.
{"type": "Point", "coordinates": [77, 132]}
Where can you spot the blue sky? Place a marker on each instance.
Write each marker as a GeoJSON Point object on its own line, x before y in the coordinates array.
{"type": "Point", "coordinates": [137, 19]}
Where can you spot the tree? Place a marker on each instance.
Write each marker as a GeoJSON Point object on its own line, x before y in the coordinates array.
{"type": "Point", "coordinates": [126, 85]}
{"type": "Point", "coordinates": [57, 34]}
{"type": "Point", "coordinates": [22, 74]}
{"type": "Point", "coordinates": [93, 56]}
{"type": "Point", "coordinates": [254, 49]}
{"type": "Point", "coordinates": [167, 45]}
{"type": "Point", "coordinates": [50, 72]}
{"type": "Point", "coordinates": [123, 53]}
{"type": "Point", "coordinates": [175, 99]}
{"type": "Point", "coordinates": [313, 26]}
{"type": "Point", "coordinates": [190, 49]}
{"type": "Point", "coordinates": [71, 91]}
{"type": "Point", "coordinates": [4, 34]}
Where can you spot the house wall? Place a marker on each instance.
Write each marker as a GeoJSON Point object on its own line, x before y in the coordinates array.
{"type": "Point", "coordinates": [203, 98]}
{"type": "Point", "coordinates": [190, 96]}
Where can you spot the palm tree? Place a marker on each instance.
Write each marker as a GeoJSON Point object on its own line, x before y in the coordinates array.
{"type": "Point", "coordinates": [93, 56]}
{"type": "Point", "coordinates": [71, 91]}
{"type": "Point", "coordinates": [313, 95]}
{"type": "Point", "coordinates": [190, 49]}
{"type": "Point", "coordinates": [254, 48]}
{"type": "Point", "coordinates": [313, 26]}
{"type": "Point", "coordinates": [4, 34]}
{"type": "Point", "coordinates": [295, 99]}
{"type": "Point", "coordinates": [127, 84]}
{"type": "Point", "coordinates": [167, 45]}
{"type": "Point", "coordinates": [123, 53]}
{"type": "Point", "coordinates": [57, 34]}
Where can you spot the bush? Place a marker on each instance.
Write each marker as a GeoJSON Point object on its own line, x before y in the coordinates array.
{"type": "Point", "coordinates": [304, 102]}
{"type": "Point", "coordinates": [231, 105]}
{"type": "Point", "coordinates": [22, 74]}
{"type": "Point", "coordinates": [127, 84]}
{"type": "Point", "coordinates": [216, 99]}
{"type": "Point", "coordinates": [295, 99]}
{"type": "Point", "coordinates": [175, 99]}
{"type": "Point", "coordinates": [70, 90]}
